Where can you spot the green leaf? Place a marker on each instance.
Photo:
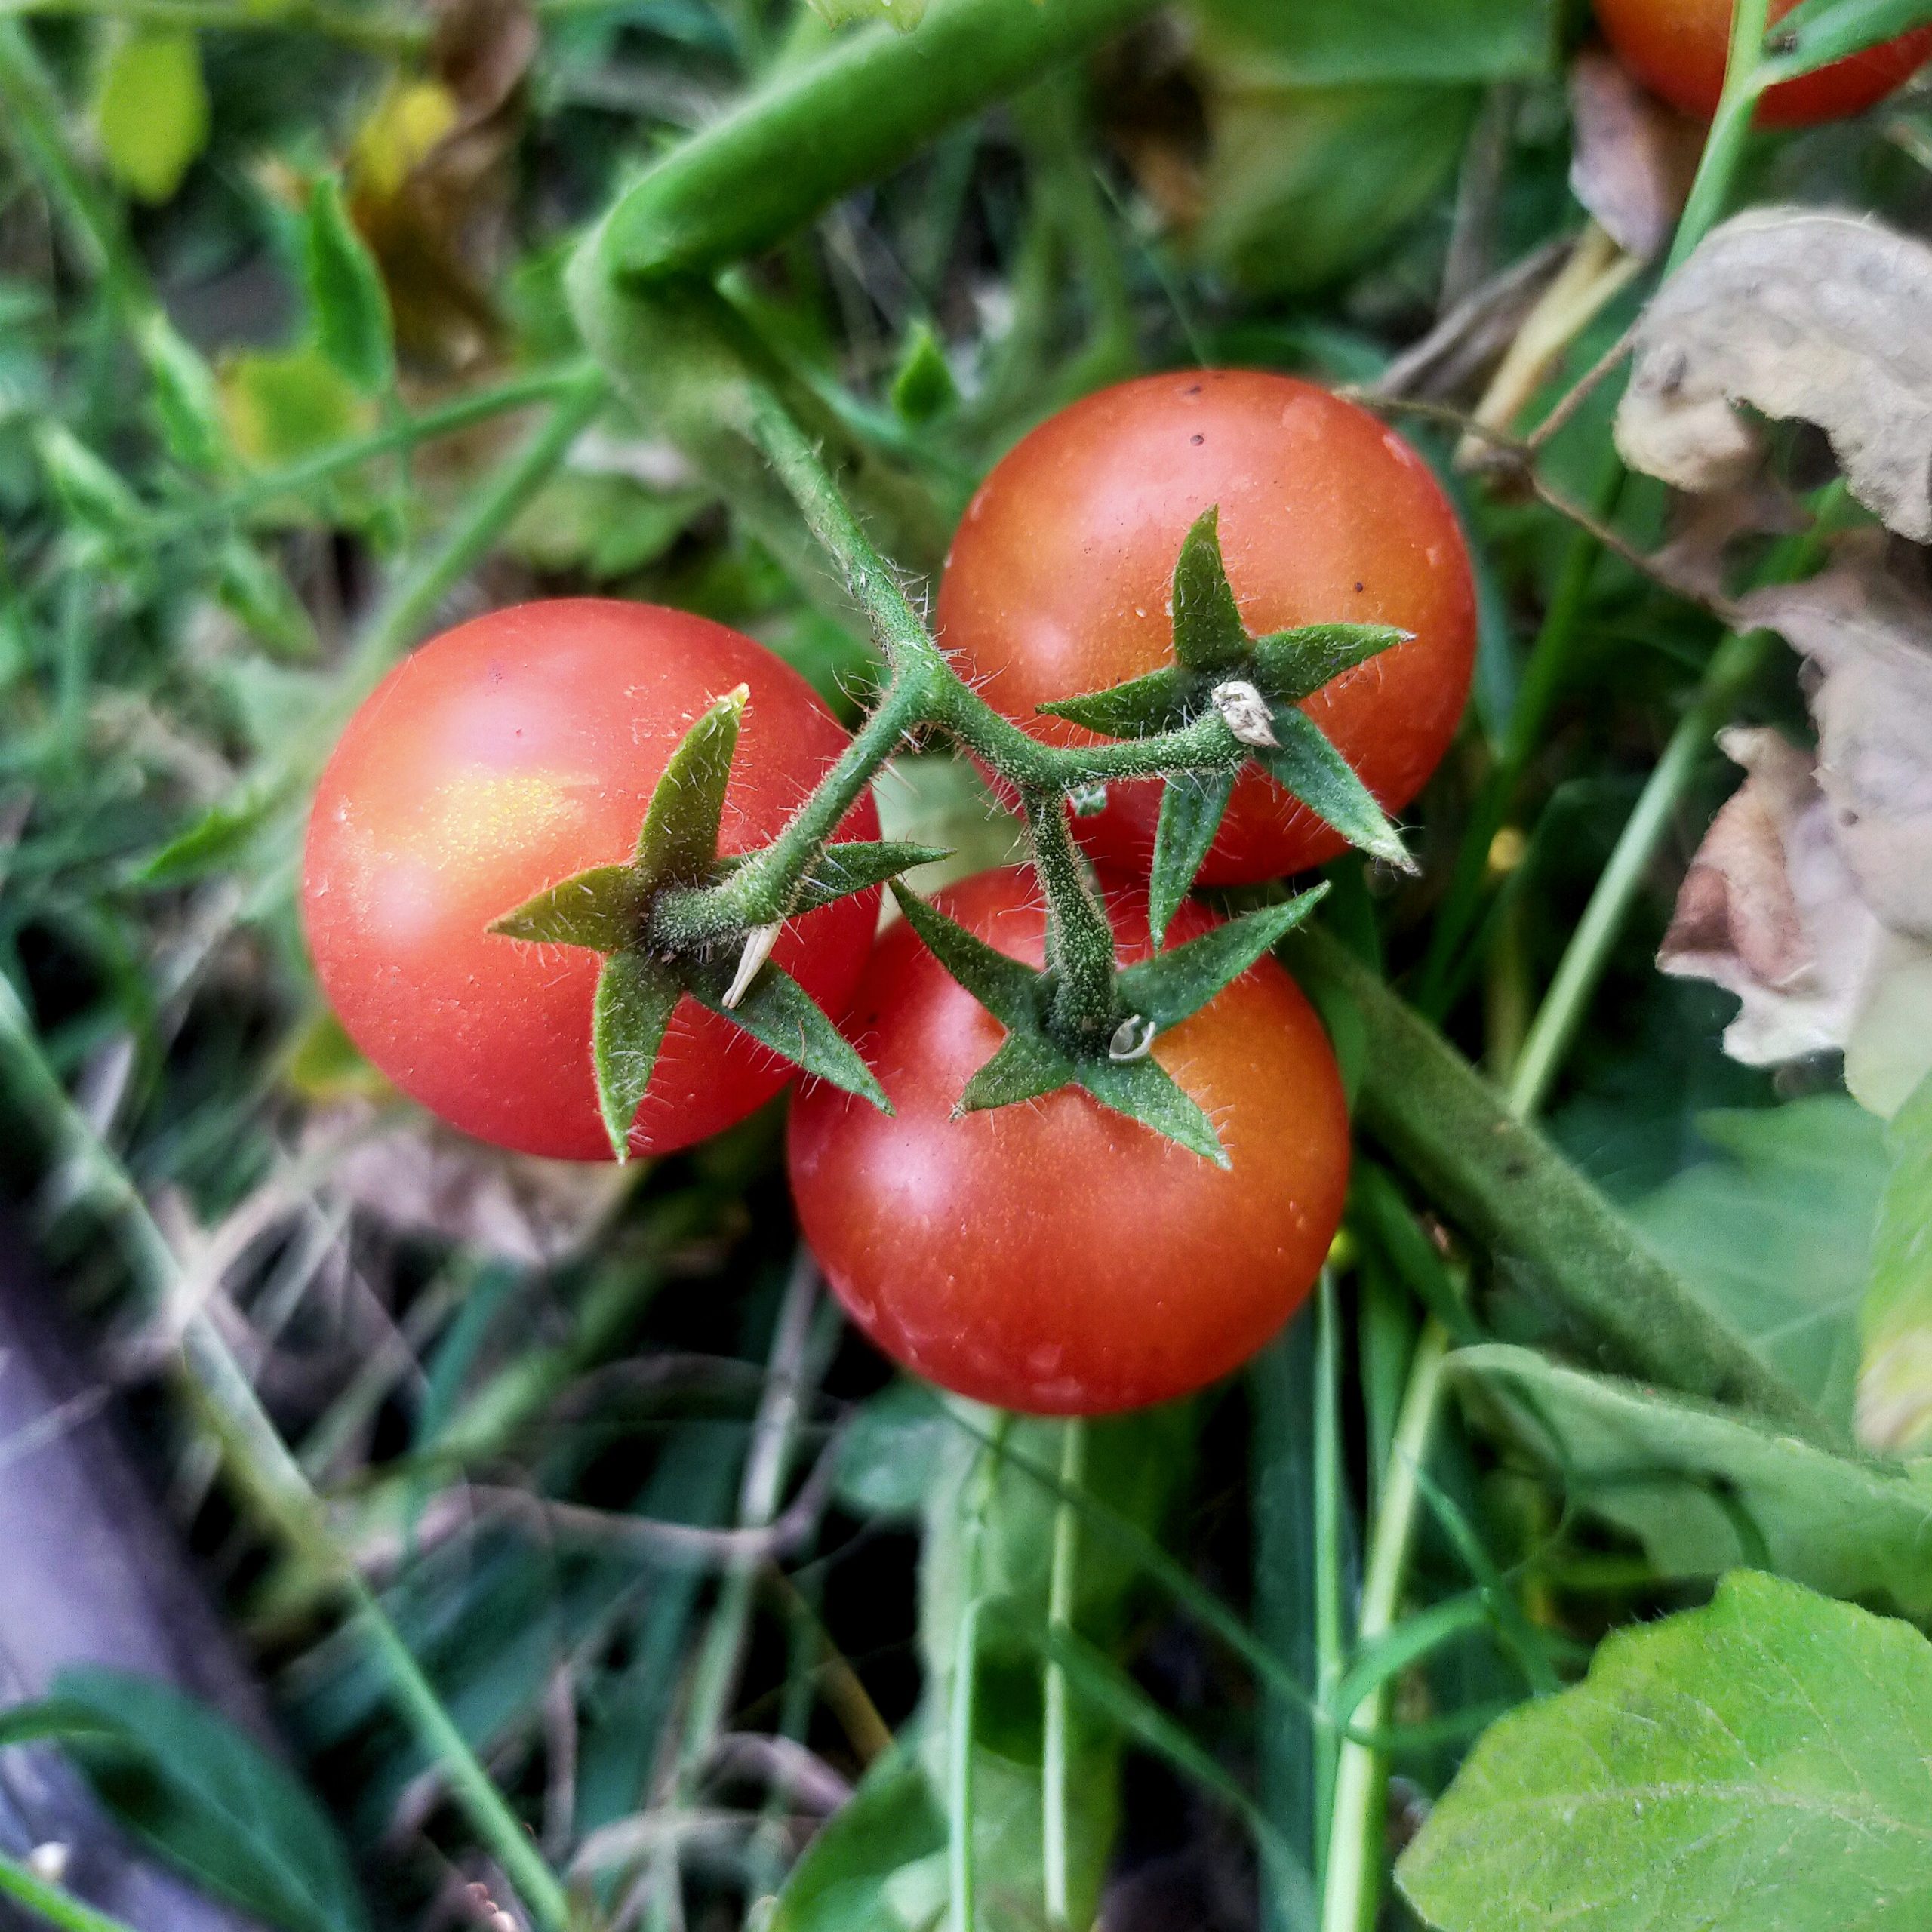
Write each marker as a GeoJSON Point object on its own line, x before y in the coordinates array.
{"type": "Point", "coordinates": [893, 1824]}
{"type": "Point", "coordinates": [346, 296]}
{"type": "Point", "coordinates": [1290, 665]}
{"type": "Point", "coordinates": [1144, 1091]}
{"type": "Point", "coordinates": [1308, 765]}
{"type": "Point", "coordinates": [924, 388]}
{"type": "Point", "coordinates": [1820, 31]}
{"type": "Point", "coordinates": [636, 996]}
{"type": "Point", "coordinates": [1756, 1766]}
{"type": "Point", "coordinates": [91, 490]}
{"type": "Point", "coordinates": [284, 404]}
{"type": "Point", "coordinates": [889, 1452]}
{"type": "Point", "coordinates": [1136, 709]}
{"type": "Point", "coordinates": [1168, 988]}
{"type": "Point", "coordinates": [677, 843]}
{"type": "Point", "coordinates": [151, 110]}
{"type": "Point", "coordinates": [776, 1010]}
{"type": "Point", "coordinates": [197, 1790]}
{"type": "Point", "coordinates": [256, 591]}
{"type": "Point", "coordinates": [1193, 804]}
{"type": "Point", "coordinates": [1008, 990]}
{"type": "Point", "coordinates": [1435, 40]}
{"type": "Point", "coordinates": [1775, 1235]}
{"type": "Point", "coordinates": [1026, 1065]}
{"type": "Point", "coordinates": [1704, 1488]}
{"type": "Point", "coordinates": [1209, 635]}
{"type": "Point", "coordinates": [219, 836]}
{"type": "Point", "coordinates": [842, 870]}
{"type": "Point", "coordinates": [599, 909]}
{"type": "Point", "coordinates": [1895, 1384]}
{"type": "Point", "coordinates": [186, 400]}
{"type": "Point", "coordinates": [903, 14]}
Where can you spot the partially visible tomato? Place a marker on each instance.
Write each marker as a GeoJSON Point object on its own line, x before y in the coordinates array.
{"type": "Point", "coordinates": [506, 756]}
{"type": "Point", "coordinates": [1678, 48]}
{"type": "Point", "coordinates": [1060, 583]}
{"type": "Point", "coordinates": [1054, 1256]}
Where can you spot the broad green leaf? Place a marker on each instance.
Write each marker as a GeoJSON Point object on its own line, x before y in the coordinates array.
{"type": "Point", "coordinates": [850, 1879]}
{"type": "Point", "coordinates": [636, 996]}
{"type": "Point", "coordinates": [1144, 1091]}
{"type": "Point", "coordinates": [1756, 1766]}
{"type": "Point", "coordinates": [606, 527]}
{"type": "Point", "coordinates": [151, 110]}
{"type": "Point", "coordinates": [1026, 1065]}
{"type": "Point", "coordinates": [1007, 989]}
{"type": "Point", "coordinates": [1193, 804]}
{"type": "Point", "coordinates": [346, 296]}
{"type": "Point", "coordinates": [923, 387]}
{"type": "Point", "coordinates": [678, 843]}
{"type": "Point", "coordinates": [1895, 1384]}
{"type": "Point", "coordinates": [1303, 184]}
{"type": "Point", "coordinates": [1820, 31]}
{"type": "Point", "coordinates": [1168, 988]}
{"type": "Point", "coordinates": [200, 1793]}
{"type": "Point", "coordinates": [1318, 774]}
{"type": "Point", "coordinates": [1136, 709]}
{"type": "Point", "coordinates": [1290, 665]}
{"type": "Point", "coordinates": [776, 1010]}
{"type": "Point", "coordinates": [1439, 40]}
{"type": "Point", "coordinates": [598, 908]}
{"type": "Point", "coordinates": [1704, 1488]}
{"type": "Point", "coordinates": [1209, 635]}
{"type": "Point", "coordinates": [1775, 1234]}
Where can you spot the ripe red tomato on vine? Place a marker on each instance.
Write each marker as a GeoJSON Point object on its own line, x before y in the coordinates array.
{"type": "Point", "coordinates": [1678, 48]}
{"type": "Point", "coordinates": [1052, 1256]}
{"type": "Point", "coordinates": [507, 755]}
{"type": "Point", "coordinates": [1059, 583]}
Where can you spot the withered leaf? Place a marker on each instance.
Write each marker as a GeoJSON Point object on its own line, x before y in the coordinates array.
{"type": "Point", "coordinates": [1633, 158]}
{"type": "Point", "coordinates": [1802, 315]}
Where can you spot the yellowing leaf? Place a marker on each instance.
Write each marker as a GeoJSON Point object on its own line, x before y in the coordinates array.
{"type": "Point", "coordinates": [282, 404]}
{"type": "Point", "coordinates": [151, 111]}
{"type": "Point", "coordinates": [407, 125]}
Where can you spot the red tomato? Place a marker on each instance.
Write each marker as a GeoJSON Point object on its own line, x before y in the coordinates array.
{"type": "Point", "coordinates": [1056, 1256]}
{"type": "Point", "coordinates": [502, 757]}
{"type": "Point", "coordinates": [1059, 582]}
{"type": "Point", "coordinates": [1678, 48]}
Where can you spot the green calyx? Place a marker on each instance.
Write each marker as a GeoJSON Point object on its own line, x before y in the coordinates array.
{"type": "Point", "coordinates": [667, 931]}
{"type": "Point", "coordinates": [1111, 1058]}
{"type": "Point", "coordinates": [1257, 685]}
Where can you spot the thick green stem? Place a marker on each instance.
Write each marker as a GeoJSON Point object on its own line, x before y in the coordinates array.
{"type": "Point", "coordinates": [820, 131]}
{"type": "Point", "coordinates": [1080, 941]}
{"type": "Point", "coordinates": [1056, 1751]}
{"type": "Point", "coordinates": [27, 1889]}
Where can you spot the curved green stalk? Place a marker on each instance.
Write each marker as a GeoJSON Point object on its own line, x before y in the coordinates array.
{"type": "Point", "coordinates": [28, 1890]}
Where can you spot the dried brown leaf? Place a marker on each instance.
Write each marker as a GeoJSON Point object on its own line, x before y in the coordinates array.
{"type": "Point", "coordinates": [1802, 315]}
{"type": "Point", "coordinates": [1633, 158]}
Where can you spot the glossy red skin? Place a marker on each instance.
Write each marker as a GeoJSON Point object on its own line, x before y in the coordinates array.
{"type": "Point", "coordinates": [502, 757]}
{"type": "Point", "coordinates": [1054, 1256]}
{"type": "Point", "coordinates": [1059, 583]}
{"type": "Point", "coordinates": [1678, 48]}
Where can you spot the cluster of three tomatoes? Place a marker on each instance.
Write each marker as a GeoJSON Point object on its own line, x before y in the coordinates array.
{"type": "Point", "coordinates": [1051, 1256]}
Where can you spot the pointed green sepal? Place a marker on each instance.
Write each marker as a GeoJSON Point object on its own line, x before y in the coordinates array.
{"type": "Point", "coordinates": [1144, 1091]}
{"type": "Point", "coordinates": [775, 1010]}
{"type": "Point", "coordinates": [1290, 665]}
{"type": "Point", "coordinates": [1136, 709]}
{"type": "Point", "coordinates": [1191, 806]}
{"type": "Point", "coordinates": [1168, 988]}
{"type": "Point", "coordinates": [601, 908]}
{"type": "Point", "coordinates": [1009, 991]}
{"type": "Point", "coordinates": [1209, 635]}
{"type": "Point", "coordinates": [678, 843]}
{"type": "Point", "coordinates": [1307, 764]}
{"type": "Point", "coordinates": [1027, 1065]}
{"type": "Point", "coordinates": [842, 870]}
{"type": "Point", "coordinates": [636, 996]}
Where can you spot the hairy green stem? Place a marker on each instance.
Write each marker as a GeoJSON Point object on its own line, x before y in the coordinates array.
{"type": "Point", "coordinates": [28, 1890]}
{"type": "Point", "coordinates": [1056, 1751]}
{"type": "Point", "coordinates": [261, 1462]}
{"type": "Point", "coordinates": [1080, 940]}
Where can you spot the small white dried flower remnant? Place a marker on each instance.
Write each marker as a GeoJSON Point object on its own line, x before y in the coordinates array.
{"type": "Point", "coordinates": [758, 943]}
{"type": "Point", "coordinates": [1132, 1038]}
{"type": "Point", "coordinates": [1811, 896]}
{"type": "Point", "coordinates": [1246, 711]}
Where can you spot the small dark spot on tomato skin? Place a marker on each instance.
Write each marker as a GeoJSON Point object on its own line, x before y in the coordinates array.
{"type": "Point", "coordinates": [1197, 438]}
{"type": "Point", "coordinates": [1358, 587]}
{"type": "Point", "coordinates": [1194, 390]}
